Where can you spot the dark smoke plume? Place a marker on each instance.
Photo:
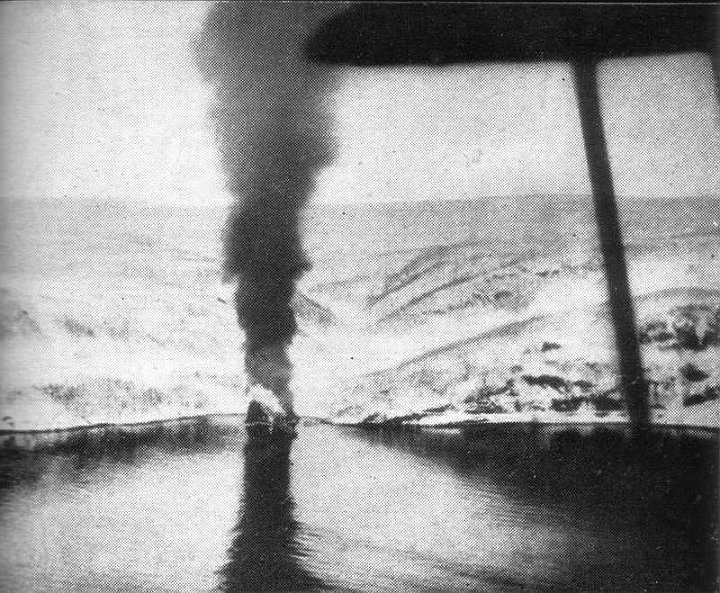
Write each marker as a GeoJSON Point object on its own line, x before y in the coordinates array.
{"type": "Point", "coordinates": [273, 133]}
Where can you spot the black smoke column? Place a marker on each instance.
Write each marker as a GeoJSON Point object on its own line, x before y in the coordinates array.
{"type": "Point", "coordinates": [272, 127]}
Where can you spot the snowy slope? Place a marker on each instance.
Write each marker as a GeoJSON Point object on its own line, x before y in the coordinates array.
{"type": "Point", "coordinates": [120, 314]}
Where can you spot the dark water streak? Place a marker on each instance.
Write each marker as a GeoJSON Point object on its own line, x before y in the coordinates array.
{"type": "Point", "coordinates": [264, 554]}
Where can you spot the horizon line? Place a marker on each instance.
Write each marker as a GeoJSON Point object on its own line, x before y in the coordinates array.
{"type": "Point", "coordinates": [116, 201]}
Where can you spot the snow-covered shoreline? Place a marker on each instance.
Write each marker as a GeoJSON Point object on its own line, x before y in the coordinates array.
{"type": "Point", "coordinates": [707, 419]}
{"type": "Point", "coordinates": [184, 428]}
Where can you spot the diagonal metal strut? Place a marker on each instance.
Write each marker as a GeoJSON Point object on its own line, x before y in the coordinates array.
{"type": "Point", "coordinates": [611, 244]}
{"type": "Point", "coordinates": [436, 34]}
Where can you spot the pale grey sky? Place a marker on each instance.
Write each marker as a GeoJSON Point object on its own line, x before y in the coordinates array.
{"type": "Point", "coordinates": [104, 100]}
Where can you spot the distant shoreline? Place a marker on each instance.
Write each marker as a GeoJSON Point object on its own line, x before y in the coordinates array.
{"type": "Point", "coordinates": [76, 438]}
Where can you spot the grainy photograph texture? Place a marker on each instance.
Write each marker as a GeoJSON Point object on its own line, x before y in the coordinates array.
{"type": "Point", "coordinates": [359, 296]}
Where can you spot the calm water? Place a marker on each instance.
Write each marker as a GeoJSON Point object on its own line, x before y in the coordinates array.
{"type": "Point", "coordinates": [340, 508]}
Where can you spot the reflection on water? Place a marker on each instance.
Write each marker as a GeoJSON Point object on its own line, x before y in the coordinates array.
{"type": "Point", "coordinates": [633, 515]}
{"type": "Point", "coordinates": [199, 509]}
{"type": "Point", "coordinates": [264, 554]}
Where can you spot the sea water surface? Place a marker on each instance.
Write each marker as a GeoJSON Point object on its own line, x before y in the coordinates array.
{"type": "Point", "coordinates": [201, 509]}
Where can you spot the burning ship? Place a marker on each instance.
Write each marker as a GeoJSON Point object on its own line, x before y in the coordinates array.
{"type": "Point", "coordinates": [274, 138]}
{"type": "Point", "coordinates": [266, 418]}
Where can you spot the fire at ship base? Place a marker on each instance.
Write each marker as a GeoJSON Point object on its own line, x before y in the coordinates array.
{"type": "Point", "coordinates": [266, 419]}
